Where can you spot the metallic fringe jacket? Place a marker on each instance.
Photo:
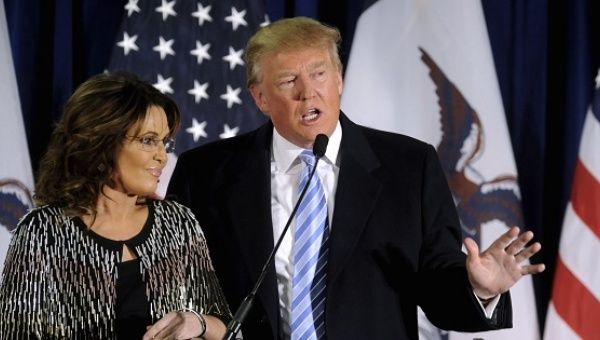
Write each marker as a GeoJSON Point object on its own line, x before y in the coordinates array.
{"type": "Point", "coordinates": [58, 282]}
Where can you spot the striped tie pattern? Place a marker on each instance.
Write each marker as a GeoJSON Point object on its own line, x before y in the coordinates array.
{"type": "Point", "coordinates": [310, 258]}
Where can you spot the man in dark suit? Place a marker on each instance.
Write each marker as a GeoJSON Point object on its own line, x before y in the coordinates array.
{"type": "Point", "coordinates": [392, 240]}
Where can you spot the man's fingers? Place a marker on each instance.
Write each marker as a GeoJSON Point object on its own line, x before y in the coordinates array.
{"type": "Point", "coordinates": [528, 252]}
{"type": "Point", "coordinates": [505, 239]}
{"type": "Point", "coordinates": [532, 269]}
{"type": "Point", "coordinates": [519, 243]}
{"type": "Point", "coordinates": [471, 246]}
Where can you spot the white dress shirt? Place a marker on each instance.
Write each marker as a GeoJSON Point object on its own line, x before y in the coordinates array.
{"type": "Point", "coordinates": [286, 169]}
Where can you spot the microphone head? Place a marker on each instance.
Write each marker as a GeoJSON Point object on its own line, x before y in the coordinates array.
{"type": "Point", "coordinates": [320, 145]}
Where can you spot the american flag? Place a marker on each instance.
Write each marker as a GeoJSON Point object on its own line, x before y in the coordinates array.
{"type": "Point", "coordinates": [574, 311]}
{"type": "Point", "coordinates": [192, 51]}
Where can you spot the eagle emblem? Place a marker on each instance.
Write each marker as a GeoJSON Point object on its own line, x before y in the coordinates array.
{"type": "Point", "coordinates": [15, 200]}
{"type": "Point", "coordinates": [478, 200]}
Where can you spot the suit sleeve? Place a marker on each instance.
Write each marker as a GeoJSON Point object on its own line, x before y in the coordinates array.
{"type": "Point", "coordinates": [212, 300]}
{"type": "Point", "coordinates": [446, 296]}
{"type": "Point", "coordinates": [179, 184]}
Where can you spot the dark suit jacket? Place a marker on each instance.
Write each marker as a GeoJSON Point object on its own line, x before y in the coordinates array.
{"type": "Point", "coordinates": [394, 244]}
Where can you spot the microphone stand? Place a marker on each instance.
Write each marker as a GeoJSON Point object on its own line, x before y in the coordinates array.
{"type": "Point", "coordinates": [240, 315]}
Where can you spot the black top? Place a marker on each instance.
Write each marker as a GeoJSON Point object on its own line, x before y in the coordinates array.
{"type": "Point", "coordinates": [133, 308]}
{"type": "Point", "coordinates": [132, 305]}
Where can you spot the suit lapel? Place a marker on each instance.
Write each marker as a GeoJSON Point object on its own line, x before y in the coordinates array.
{"type": "Point", "coordinates": [355, 197]}
{"type": "Point", "coordinates": [250, 210]}
{"type": "Point", "coordinates": [250, 207]}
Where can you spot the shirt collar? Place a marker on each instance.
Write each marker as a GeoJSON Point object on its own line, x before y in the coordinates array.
{"type": "Point", "coordinates": [285, 152]}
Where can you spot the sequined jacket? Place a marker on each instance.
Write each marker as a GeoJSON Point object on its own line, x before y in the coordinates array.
{"type": "Point", "coordinates": [58, 282]}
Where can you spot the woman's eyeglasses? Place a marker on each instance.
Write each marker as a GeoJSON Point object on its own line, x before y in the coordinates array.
{"type": "Point", "coordinates": [148, 143]}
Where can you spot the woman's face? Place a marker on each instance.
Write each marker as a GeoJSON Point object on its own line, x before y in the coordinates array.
{"type": "Point", "coordinates": [143, 156]}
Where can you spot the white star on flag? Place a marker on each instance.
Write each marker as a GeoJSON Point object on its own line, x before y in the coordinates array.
{"type": "Point", "coordinates": [132, 6]}
{"type": "Point", "coordinates": [236, 18]}
{"type": "Point", "coordinates": [199, 91]}
{"type": "Point", "coordinates": [188, 49]}
{"type": "Point", "coordinates": [197, 129]}
{"type": "Point", "coordinates": [166, 8]}
{"type": "Point", "coordinates": [203, 14]}
{"type": "Point", "coordinates": [163, 85]}
{"type": "Point", "coordinates": [598, 81]}
{"type": "Point", "coordinates": [232, 96]}
{"type": "Point", "coordinates": [201, 51]}
{"type": "Point", "coordinates": [229, 132]}
{"type": "Point", "coordinates": [164, 47]}
{"type": "Point", "coordinates": [234, 58]}
{"type": "Point", "coordinates": [128, 43]}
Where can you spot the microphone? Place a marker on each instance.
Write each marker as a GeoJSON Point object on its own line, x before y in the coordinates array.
{"type": "Point", "coordinates": [319, 148]}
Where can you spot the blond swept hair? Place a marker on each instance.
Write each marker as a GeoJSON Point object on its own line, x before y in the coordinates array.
{"type": "Point", "coordinates": [290, 34]}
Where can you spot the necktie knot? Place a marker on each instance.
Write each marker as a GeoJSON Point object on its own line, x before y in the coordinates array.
{"type": "Point", "coordinates": [308, 158]}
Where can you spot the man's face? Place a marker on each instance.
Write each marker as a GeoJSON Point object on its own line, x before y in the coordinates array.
{"type": "Point", "coordinates": [300, 90]}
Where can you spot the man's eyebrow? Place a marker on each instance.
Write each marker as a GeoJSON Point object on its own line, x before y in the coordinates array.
{"type": "Point", "coordinates": [284, 74]}
{"type": "Point", "coordinates": [317, 64]}
{"type": "Point", "coordinates": [291, 73]}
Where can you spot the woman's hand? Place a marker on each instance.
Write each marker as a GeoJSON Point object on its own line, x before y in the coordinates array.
{"type": "Point", "coordinates": [185, 325]}
{"type": "Point", "coordinates": [175, 325]}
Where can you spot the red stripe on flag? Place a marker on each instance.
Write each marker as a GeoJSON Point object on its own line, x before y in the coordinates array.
{"type": "Point", "coordinates": [585, 197]}
{"type": "Point", "coordinates": [575, 304]}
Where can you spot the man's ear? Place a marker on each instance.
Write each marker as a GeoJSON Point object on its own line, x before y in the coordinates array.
{"type": "Point", "coordinates": [259, 98]}
{"type": "Point", "coordinates": [340, 80]}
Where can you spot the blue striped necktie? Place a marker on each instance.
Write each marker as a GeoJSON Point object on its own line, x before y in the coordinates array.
{"type": "Point", "coordinates": [310, 258]}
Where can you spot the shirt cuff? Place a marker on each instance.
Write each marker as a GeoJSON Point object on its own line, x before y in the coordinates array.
{"type": "Point", "coordinates": [491, 306]}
